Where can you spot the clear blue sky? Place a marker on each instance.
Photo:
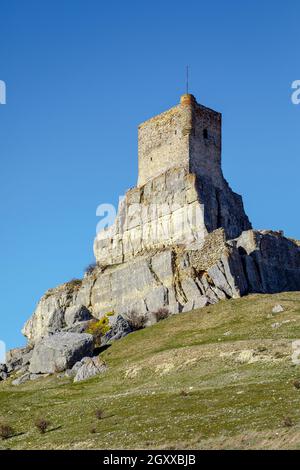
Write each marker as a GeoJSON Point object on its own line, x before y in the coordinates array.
{"type": "Point", "coordinates": [81, 75]}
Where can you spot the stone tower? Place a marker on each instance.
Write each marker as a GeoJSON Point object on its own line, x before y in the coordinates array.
{"type": "Point", "coordinates": [187, 135]}
{"type": "Point", "coordinates": [180, 176]}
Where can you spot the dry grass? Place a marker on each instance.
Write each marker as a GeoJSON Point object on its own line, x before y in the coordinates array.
{"type": "Point", "coordinates": [221, 377]}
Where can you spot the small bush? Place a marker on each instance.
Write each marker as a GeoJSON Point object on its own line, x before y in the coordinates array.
{"type": "Point", "coordinates": [98, 328]}
{"type": "Point", "coordinates": [110, 314]}
{"type": "Point", "coordinates": [297, 384]}
{"type": "Point", "coordinates": [6, 431]}
{"type": "Point", "coordinates": [136, 320]}
{"type": "Point", "coordinates": [42, 425]}
{"type": "Point", "coordinates": [287, 422]}
{"type": "Point", "coordinates": [99, 413]}
{"type": "Point", "coordinates": [93, 430]}
{"type": "Point", "coordinates": [161, 314]}
{"type": "Point", "coordinates": [278, 355]}
{"type": "Point", "coordinates": [184, 393]}
{"type": "Point", "coordinates": [74, 284]}
{"type": "Point", "coordinates": [90, 268]}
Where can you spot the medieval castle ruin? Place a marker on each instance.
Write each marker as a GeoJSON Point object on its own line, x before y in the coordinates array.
{"type": "Point", "coordinates": [222, 257]}
{"type": "Point", "coordinates": [181, 239]}
{"type": "Point", "coordinates": [179, 167]}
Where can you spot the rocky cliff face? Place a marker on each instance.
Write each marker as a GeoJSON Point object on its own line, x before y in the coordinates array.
{"type": "Point", "coordinates": [180, 241]}
{"type": "Point", "coordinates": [174, 208]}
{"type": "Point", "coordinates": [177, 278]}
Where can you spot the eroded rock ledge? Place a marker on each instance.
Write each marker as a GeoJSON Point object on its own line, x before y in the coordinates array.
{"type": "Point", "coordinates": [177, 278]}
{"type": "Point", "coordinates": [154, 216]}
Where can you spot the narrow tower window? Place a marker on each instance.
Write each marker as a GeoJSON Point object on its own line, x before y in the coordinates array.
{"type": "Point", "coordinates": [205, 134]}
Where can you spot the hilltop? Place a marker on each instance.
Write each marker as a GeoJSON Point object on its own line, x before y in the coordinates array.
{"type": "Point", "coordinates": [216, 377]}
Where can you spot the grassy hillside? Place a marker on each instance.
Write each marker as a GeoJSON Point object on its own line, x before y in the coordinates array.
{"type": "Point", "coordinates": [220, 377]}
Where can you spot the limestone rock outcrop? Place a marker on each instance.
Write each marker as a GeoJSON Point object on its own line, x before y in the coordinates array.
{"type": "Point", "coordinates": [181, 240]}
{"type": "Point", "coordinates": [18, 358]}
{"type": "Point", "coordinates": [271, 261]}
{"type": "Point", "coordinates": [183, 279]}
{"type": "Point", "coordinates": [62, 308]}
{"type": "Point", "coordinates": [3, 372]}
{"type": "Point", "coordinates": [174, 208]}
{"type": "Point", "coordinates": [119, 328]}
{"type": "Point", "coordinates": [60, 352]}
{"type": "Point", "coordinates": [89, 368]}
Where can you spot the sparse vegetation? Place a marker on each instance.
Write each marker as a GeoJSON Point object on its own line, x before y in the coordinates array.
{"type": "Point", "coordinates": [6, 431]}
{"type": "Point", "coordinates": [99, 413]}
{"type": "Point", "coordinates": [42, 425]}
{"type": "Point", "coordinates": [278, 355]}
{"type": "Point", "coordinates": [162, 314]}
{"type": "Point", "coordinates": [98, 328]}
{"type": "Point", "coordinates": [136, 320]}
{"type": "Point", "coordinates": [74, 283]}
{"type": "Point", "coordinates": [287, 422]}
{"type": "Point", "coordinates": [297, 384]}
{"type": "Point", "coordinates": [90, 268]}
{"type": "Point", "coordinates": [230, 404]}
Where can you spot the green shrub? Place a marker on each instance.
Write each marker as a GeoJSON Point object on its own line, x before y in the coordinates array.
{"type": "Point", "coordinates": [74, 284]}
{"type": "Point", "coordinates": [110, 314]}
{"type": "Point", "coordinates": [98, 328]}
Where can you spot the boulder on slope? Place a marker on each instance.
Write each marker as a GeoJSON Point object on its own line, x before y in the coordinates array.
{"type": "Point", "coordinates": [91, 366]}
{"type": "Point", "coordinates": [60, 352]}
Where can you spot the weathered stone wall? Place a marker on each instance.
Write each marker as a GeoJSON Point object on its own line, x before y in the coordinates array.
{"type": "Point", "coordinates": [188, 135]}
{"type": "Point", "coordinates": [163, 142]}
{"type": "Point", "coordinates": [205, 144]}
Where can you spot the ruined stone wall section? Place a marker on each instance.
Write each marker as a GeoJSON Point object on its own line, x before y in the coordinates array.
{"type": "Point", "coordinates": [163, 142]}
{"type": "Point", "coordinates": [205, 144]}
